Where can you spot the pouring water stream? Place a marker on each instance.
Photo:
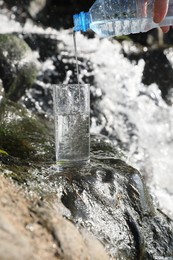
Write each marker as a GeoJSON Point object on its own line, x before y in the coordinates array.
{"type": "Point", "coordinates": [76, 56]}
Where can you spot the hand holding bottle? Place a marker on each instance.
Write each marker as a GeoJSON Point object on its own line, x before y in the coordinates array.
{"type": "Point", "coordinates": [114, 17]}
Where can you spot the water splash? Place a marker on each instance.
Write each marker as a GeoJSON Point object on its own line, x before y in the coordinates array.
{"type": "Point", "coordinates": [132, 114]}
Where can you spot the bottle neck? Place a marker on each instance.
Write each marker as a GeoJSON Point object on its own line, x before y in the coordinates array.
{"type": "Point", "coordinates": [81, 21]}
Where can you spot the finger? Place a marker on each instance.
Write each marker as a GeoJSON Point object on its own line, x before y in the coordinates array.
{"type": "Point", "coordinates": [165, 29]}
{"type": "Point", "coordinates": [144, 8]}
{"type": "Point", "coordinates": [160, 10]}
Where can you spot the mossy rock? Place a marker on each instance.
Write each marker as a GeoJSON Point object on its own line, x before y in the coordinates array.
{"type": "Point", "coordinates": [23, 135]}
{"type": "Point", "coordinates": [18, 67]}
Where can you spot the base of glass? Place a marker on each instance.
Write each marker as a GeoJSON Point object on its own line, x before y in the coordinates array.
{"type": "Point", "coordinates": [68, 164]}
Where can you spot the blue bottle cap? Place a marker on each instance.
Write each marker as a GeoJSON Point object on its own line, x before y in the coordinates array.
{"type": "Point", "coordinates": [81, 21]}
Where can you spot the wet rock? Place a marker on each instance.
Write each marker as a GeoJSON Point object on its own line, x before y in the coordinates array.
{"type": "Point", "coordinates": [18, 67]}
{"type": "Point", "coordinates": [111, 200]}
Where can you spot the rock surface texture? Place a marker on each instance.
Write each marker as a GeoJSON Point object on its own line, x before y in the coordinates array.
{"type": "Point", "coordinates": [34, 231]}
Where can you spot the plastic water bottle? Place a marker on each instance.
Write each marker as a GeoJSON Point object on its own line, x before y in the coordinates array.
{"type": "Point", "coordinates": [120, 17]}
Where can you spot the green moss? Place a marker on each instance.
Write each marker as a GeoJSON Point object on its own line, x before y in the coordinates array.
{"type": "Point", "coordinates": [3, 152]}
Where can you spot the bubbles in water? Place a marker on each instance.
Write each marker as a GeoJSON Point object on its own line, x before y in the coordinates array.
{"type": "Point", "coordinates": [72, 135]}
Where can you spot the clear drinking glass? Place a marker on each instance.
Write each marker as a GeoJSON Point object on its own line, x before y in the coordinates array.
{"type": "Point", "coordinates": [72, 124]}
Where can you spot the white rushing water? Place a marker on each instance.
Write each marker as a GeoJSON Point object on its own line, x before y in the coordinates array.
{"type": "Point", "coordinates": [150, 148]}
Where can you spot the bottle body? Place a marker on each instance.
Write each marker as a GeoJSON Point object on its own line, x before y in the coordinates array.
{"type": "Point", "coordinates": [122, 17]}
